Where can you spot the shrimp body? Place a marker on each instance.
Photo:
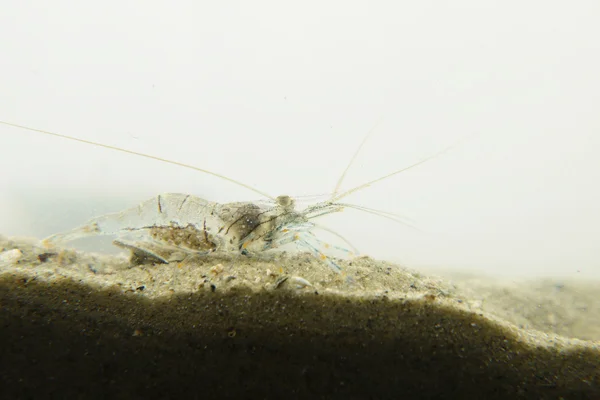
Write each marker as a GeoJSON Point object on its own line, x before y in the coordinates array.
{"type": "Point", "coordinates": [172, 226]}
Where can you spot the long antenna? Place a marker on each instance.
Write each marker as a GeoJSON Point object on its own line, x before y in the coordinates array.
{"type": "Point", "coordinates": [423, 161]}
{"type": "Point", "coordinates": [135, 153]}
{"type": "Point", "coordinates": [339, 182]}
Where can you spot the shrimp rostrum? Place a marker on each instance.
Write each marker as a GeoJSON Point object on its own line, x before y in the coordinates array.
{"type": "Point", "coordinates": [172, 226]}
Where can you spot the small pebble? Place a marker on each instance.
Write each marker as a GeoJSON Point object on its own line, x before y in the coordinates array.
{"type": "Point", "coordinates": [217, 269]}
{"type": "Point", "coordinates": [301, 283]}
{"type": "Point", "coordinates": [11, 256]}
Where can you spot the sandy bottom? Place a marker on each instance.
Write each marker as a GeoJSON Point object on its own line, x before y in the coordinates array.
{"type": "Point", "coordinates": [91, 326]}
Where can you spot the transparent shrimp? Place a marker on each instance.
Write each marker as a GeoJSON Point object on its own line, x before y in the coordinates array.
{"type": "Point", "coordinates": [172, 226]}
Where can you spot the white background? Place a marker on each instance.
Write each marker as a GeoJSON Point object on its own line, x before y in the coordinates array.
{"type": "Point", "coordinates": [280, 94]}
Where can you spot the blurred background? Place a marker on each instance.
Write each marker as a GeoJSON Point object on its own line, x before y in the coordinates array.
{"type": "Point", "coordinates": [279, 95]}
